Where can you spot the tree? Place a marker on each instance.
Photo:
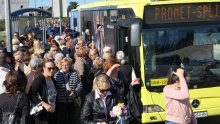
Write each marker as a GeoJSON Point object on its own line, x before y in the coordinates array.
{"type": "Point", "coordinates": [72, 5]}
{"type": "Point", "coordinates": [50, 9]}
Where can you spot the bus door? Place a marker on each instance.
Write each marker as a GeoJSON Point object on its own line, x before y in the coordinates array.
{"type": "Point", "coordinates": [124, 42]}
{"type": "Point", "coordinates": [110, 36]}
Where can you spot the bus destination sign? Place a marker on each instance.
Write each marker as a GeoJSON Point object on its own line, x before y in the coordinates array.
{"type": "Point", "coordinates": [179, 13]}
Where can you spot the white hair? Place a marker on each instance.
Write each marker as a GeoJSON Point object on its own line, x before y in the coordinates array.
{"type": "Point", "coordinates": [120, 55]}
{"type": "Point", "coordinates": [87, 30]}
{"type": "Point", "coordinates": [107, 49]}
{"type": "Point", "coordinates": [36, 62]}
{"type": "Point", "coordinates": [58, 57]}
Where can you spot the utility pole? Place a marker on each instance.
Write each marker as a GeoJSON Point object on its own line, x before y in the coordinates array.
{"type": "Point", "coordinates": [61, 13]}
{"type": "Point", "coordinates": [35, 20]}
{"type": "Point", "coordinates": [8, 25]}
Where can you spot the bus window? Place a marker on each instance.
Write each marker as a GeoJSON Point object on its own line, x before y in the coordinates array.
{"type": "Point", "coordinates": [197, 48]}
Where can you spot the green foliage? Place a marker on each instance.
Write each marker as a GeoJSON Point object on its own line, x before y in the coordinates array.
{"type": "Point", "coordinates": [65, 20]}
{"type": "Point", "coordinates": [2, 25]}
{"type": "Point", "coordinates": [2, 37]}
{"type": "Point", "coordinates": [72, 5]}
{"type": "Point", "coordinates": [49, 9]}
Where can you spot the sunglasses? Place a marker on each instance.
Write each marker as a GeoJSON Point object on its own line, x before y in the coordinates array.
{"type": "Point", "coordinates": [49, 69]}
{"type": "Point", "coordinates": [103, 91]}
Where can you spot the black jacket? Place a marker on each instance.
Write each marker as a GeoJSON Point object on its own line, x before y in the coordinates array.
{"type": "Point", "coordinates": [93, 112]}
{"type": "Point", "coordinates": [39, 89]}
{"type": "Point", "coordinates": [7, 105]}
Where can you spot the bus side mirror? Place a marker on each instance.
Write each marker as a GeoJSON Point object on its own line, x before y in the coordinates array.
{"type": "Point", "coordinates": [136, 32]}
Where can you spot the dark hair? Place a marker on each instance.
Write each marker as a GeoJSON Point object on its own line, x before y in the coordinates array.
{"type": "Point", "coordinates": [172, 79]}
{"type": "Point", "coordinates": [11, 82]}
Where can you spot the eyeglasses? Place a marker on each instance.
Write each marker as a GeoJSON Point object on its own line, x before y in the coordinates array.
{"type": "Point", "coordinates": [49, 69]}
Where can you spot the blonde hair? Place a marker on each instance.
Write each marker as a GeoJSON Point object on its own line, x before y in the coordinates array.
{"type": "Point", "coordinates": [67, 60]}
{"type": "Point", "coordinates": [15, 41]}
{"type": "Point", "coordinates": [62, 42]}
{"type": "Point", "coordinates": [19, 54]}
{"type": "Point", "coordinates": [37, 47]}
{"type": "Point", "coordinates": [98, 62]}
{"type": "Point", "coordinates": [101, 82]}
{"type": "Point", "coordinates": [35, 55]}
{"type": "Point", "coordinates": [107, 55]}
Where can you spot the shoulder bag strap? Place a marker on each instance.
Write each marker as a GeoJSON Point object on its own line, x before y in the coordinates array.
{"type": "Point", "coordinates": [17, 102]}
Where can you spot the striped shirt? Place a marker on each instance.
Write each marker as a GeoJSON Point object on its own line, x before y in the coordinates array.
{"type": "Point", "coordinates": [73, 80]}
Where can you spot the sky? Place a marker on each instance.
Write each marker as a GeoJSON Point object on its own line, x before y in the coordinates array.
{"type": "Point", "coordinates": [49, 2]}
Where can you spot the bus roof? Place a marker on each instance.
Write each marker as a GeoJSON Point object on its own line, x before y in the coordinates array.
{"type": "Point", "coordinates": [144, 2]}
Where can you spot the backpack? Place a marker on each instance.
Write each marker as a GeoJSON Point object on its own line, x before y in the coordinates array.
{"type": "Point", "coordinates": [13, 117]}
{"type": "Point", "coordinates": [135, 106]}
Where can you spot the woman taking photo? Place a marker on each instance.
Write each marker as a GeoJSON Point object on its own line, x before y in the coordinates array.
{"type": "Point", "coordinates": [178, 107]}
{"type": "Point", "coordinates": [99, 102]}
{"type": "Point", "coordinates": [9, 98]}
{"type": "Point", "coordinates": [43, 93]}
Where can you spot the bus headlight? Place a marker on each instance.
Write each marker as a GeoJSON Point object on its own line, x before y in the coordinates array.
{"type": "Point", "coordinates": [152, 108]}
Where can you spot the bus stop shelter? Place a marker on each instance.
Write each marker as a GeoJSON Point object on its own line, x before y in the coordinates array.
{"type": "Point", "coordinates": [35, 16]}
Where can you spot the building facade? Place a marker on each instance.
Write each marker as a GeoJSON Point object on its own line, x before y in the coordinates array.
{"type": "Point", "coordinates": [15, 5]}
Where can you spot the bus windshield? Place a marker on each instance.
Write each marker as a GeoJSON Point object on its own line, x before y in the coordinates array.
{"type": "Point", "coordinates": [194, 48]}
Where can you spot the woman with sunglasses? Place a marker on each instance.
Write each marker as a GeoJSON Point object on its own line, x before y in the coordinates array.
{"type": "Point", "coordinates": [99, 102]}
{"type": "Point", "coordinates": [43, 93]}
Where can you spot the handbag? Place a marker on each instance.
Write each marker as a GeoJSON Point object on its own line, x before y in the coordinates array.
{"type": "Point", "coordinates": [135, 106]}
{"type": "Point", "coordinates": [35, 109]}
{"type": "Point", "coordinates": [77, 101]}
{"type": "Point", "coordinates": [15, 116]}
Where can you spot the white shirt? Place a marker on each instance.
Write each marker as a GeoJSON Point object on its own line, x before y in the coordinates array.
{"type": "Point", "coordinates": [3, 72]}
{"type": "Point", "coordinates": [97, 96]}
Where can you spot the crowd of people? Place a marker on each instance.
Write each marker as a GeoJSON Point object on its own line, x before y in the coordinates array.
{"type": "Point", "coordinates": [65, 78]}
{"type": "Point", "coordinates": [70, 82]}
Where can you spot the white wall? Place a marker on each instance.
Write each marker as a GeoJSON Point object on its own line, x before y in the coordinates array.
{"type": "Point", "coordinates": [15, 5]}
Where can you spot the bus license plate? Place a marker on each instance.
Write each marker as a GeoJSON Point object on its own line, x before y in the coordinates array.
{"type": "Point", "coordinates": [201, 114]}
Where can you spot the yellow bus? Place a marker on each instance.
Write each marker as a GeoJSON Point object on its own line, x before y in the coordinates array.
{"type": "Point", "coordinates": [157, 35]}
